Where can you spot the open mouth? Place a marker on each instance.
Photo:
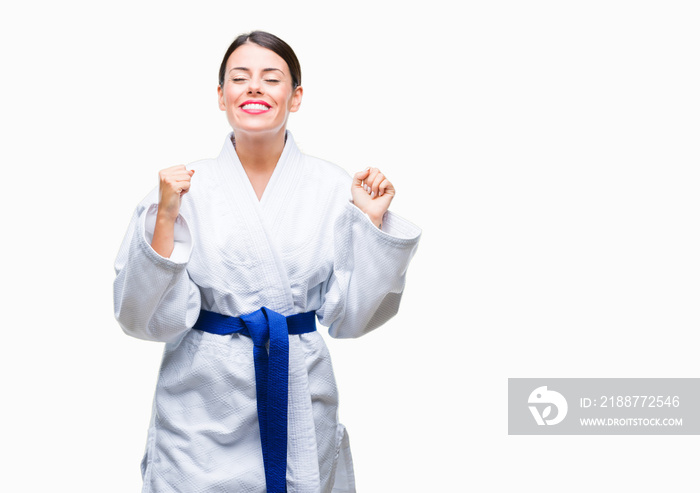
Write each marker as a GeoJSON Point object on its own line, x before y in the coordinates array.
{"type": "Point", "coordinates": [255, 106]}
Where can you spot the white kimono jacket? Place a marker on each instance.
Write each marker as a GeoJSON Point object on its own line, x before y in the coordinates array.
{"type": "Point", "coordinates": [304, 246]}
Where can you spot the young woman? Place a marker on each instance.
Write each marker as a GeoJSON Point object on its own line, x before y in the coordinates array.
{"type": "Point", "coordinates": [229, 262]}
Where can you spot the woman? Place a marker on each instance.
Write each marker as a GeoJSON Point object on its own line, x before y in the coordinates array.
{"type": "Point", "coordinates": [242, 256]}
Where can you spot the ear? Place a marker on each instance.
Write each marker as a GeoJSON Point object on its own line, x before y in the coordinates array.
{"type": "Point", "coordinates": [220, 92]}
{"type": "Point", "coordinates": [296, 99]}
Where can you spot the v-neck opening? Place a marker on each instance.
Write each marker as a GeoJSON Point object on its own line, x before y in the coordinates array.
{"type": "Point", "coordinates": [275, 172]}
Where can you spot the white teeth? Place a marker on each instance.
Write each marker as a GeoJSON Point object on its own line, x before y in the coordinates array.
{"type": "Point", "coordinates": [254, 106]}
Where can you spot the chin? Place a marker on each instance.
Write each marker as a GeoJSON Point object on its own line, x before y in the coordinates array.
{"type": "Point", "coordinates": [260, 129]}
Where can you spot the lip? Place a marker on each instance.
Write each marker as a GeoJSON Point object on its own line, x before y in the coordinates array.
{"type": "Point", "coordinates": [255, 111]}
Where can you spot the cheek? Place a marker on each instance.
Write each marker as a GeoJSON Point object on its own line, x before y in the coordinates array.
{"type": "Point", "coordinates": [231, 95]}
{"type": "Point", "coordinates": [285, 98]}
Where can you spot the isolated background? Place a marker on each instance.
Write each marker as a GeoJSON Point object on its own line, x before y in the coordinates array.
{"type": "Point", "coordinates": [548, 149]}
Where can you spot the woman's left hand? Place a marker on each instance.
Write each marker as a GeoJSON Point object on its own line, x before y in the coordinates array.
{"type": "Point", "coordinates": [372, 193]}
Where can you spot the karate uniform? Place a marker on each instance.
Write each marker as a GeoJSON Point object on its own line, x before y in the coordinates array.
{"type": "Point", "coordinates": [302, 247]}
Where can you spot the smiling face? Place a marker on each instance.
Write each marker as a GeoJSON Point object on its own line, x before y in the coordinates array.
{"type": "Point", "coordinates": [257, 93]}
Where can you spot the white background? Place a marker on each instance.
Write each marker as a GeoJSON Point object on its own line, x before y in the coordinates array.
{"type": "Point", "coordinates": [548, 149]}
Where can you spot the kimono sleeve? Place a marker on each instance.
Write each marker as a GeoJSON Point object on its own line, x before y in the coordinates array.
{"type": "Point", "coordinates": [369, 272]}
{"type": "Point", "coordinates": [154, 297]}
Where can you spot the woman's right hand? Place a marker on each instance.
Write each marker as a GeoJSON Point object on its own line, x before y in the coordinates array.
{"type": "Point", "coordinates": [174, 183]}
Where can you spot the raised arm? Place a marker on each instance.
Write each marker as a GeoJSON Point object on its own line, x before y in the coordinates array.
{"type": "Point", "coordinates": [369, 268]}
{"type": "Point", "coordinates": [174, 183]}
{"type": "Point", "coordinates": [154, 297]}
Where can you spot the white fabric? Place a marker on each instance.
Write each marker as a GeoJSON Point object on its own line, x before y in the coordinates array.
{"type": "Point", "coordinates": [304, 246]}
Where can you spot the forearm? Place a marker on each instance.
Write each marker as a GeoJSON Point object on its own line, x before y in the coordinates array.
{"type": "Point", "coordinates": [163, 241]}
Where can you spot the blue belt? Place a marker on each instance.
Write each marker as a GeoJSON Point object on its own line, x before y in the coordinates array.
{"type": "Point", "coordinates": [271, 376]}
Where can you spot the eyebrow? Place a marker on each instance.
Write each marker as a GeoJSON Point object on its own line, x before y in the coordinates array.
{"type": "Point", "coordinates": [264, 70]}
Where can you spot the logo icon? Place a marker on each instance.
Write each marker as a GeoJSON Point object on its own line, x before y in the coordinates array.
{"type": "Point", "coordinates": [541, 402]}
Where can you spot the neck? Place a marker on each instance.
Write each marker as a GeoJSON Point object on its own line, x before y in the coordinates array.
{"type": "Point", "coordinates": [259, 153]}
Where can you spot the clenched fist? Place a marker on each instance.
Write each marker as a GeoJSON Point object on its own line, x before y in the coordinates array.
{"type": "Point", "coordinates": [372, 193]}
{"type": "Point", "coordinates": [174, 183]}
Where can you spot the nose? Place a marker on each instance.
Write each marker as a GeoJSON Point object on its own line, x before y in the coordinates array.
{"type": "Point", "coordinates": [254, 86]}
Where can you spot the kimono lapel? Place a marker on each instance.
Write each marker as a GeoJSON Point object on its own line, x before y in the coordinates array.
{"type": "Point", "coordinates": [284, 180]}
{"type": "Point", "coordinates": [261, 216]}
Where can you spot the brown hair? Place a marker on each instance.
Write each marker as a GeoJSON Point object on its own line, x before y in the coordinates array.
{"type": "Point", "coordinates": [272, 43]}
